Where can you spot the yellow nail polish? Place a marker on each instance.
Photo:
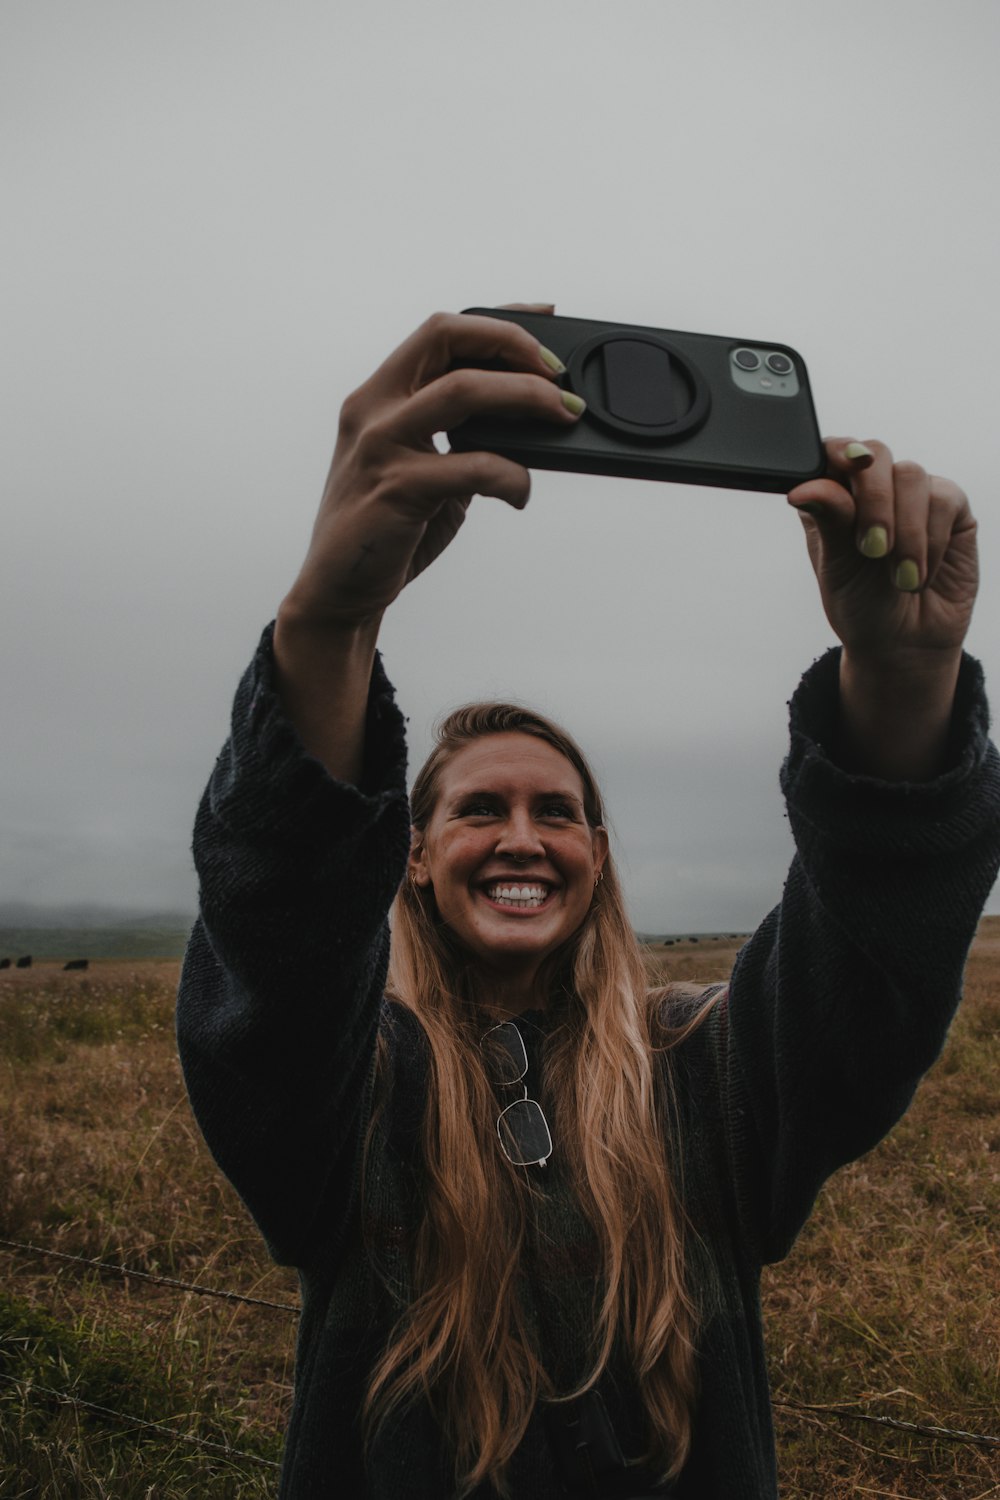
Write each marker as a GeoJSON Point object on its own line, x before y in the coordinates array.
{"type": "Point", "coordinates": [572, 403]}
{"type": "Point", "coordinates": [907, 576]}
{"type": "Point", "coordinates": [552, 360]}
{"type": "Point", "coordinates": [858, 450]}
{"type": "Point", "coordinates": [875, 542]}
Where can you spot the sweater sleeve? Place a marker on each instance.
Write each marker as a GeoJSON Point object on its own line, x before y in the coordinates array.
{"type": "Point", "coordinates": [283, 977]}
{"type": "Point", "coordinates": [842, 999]}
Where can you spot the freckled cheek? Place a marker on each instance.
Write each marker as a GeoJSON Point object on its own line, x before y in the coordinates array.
{"type": "Point", "coordinates": [577, 860]}
{"type": "Point", "coordinates": [460, 858]}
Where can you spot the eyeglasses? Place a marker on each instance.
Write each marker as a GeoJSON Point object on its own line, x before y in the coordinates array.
{"type": "Point", "coordinates": [522, 1128]}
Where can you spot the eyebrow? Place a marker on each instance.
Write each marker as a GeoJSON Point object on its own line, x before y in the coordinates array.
{"type": "Point", "coordinates": [554, 795]}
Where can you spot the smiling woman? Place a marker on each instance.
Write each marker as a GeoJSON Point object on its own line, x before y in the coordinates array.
{"type": "Point", "coordinates": [529, 1197]}
{"type": "Point", "coordinates": [509, 843]}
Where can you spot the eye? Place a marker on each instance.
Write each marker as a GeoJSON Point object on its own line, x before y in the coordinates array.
{"type": "Point", "coordinates": [477, 807]}
{"type": "Point", "coordinates": [559, 810]}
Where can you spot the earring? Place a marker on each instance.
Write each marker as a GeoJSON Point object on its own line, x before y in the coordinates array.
{"type": "Point", "coordinates": [598, 878]}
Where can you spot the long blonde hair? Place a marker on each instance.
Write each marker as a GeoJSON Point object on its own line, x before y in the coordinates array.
{"type": "Point", "coordinates": [464, 1341]}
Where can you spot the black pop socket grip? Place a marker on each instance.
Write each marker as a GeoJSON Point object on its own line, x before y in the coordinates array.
{"type": "Point", "coordinates": [639, 385]}
{"type": "Point", "coordinates": [661, 404]}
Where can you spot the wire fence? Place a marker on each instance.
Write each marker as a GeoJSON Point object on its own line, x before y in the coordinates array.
{"type": "Point", "coordinates": [845, 1412]}
{"type": "Point", "coordinates": [170, 1281]}
{"type": "Point", "coordinates": [65, 1398]}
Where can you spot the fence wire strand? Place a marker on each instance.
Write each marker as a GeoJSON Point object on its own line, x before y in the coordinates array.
{"type": "Point", "coordinates": [953, 1434]}
{"type": "Point", "coordinates": [64, 1397]}
{"type": "Point", "coordinates": [170, 1281]}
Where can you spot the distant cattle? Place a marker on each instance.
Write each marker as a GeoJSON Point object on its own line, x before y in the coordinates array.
{"type": "Point", "coordinates": [77, 963]}
{"type": "Point", "coordinates": [4, 963]}
{"type": "Point", "coordinates": [25, 962]}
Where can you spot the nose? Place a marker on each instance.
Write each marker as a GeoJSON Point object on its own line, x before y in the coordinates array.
{"type": "Point", "coordinates": [520, 839]}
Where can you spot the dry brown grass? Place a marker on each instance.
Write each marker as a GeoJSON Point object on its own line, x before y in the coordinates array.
{"type": "Point", "coordinates": [99, 1157]}
{"type": "Point", "coordinates": [888, 1300]}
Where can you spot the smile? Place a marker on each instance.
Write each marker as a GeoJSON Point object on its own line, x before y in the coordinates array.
{"type": "Point", "coordinates": [521, 897]}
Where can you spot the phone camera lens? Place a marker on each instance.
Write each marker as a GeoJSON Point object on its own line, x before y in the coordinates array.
{"type": "Point", "coordinates": [779, 364]}
{"type": "Point", "coordinates": [747, 359]}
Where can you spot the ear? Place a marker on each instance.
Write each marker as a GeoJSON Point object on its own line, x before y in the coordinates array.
{"type": "Point", "coordinates": [600, 850]}
{"type": "Point", "coordinates": [417, 870]}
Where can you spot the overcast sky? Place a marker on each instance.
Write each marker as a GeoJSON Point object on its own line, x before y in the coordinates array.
{"type": "Point", "coordinates": [220, 217]}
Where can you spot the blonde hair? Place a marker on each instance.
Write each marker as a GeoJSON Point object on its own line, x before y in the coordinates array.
{"type": "Point", "coordinates": [464, 1341]}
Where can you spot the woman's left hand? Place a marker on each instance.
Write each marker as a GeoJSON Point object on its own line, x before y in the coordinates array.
{"type": "Point", "coordinates": [894, 550]}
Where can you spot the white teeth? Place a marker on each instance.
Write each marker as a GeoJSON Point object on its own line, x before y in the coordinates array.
{"type": "Point", "coordinates": [518, 895]}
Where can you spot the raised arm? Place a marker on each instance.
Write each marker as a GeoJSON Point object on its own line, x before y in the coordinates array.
{"type": "Point", "coordinates": [302, 836]}
{"type": "Point", "coordinates": [842, 999]}
{"type": "Point", "coordinates": [392, 503]}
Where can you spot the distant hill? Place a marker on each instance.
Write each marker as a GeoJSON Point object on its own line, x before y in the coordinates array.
{"type": "Point", "coordinates": [87, 914]}
{"type": "Point", "coordinates": [90, 931]}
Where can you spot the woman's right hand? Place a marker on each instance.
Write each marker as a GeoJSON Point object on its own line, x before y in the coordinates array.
{"type": "Point", "coordinates": [392, 502]}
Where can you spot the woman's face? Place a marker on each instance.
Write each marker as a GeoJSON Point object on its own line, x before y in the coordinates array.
{"type": "Point", "coordinates": [508, 850]}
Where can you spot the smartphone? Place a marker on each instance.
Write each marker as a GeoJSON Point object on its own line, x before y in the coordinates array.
{"type": "Point", "coordinates": [688, 408]}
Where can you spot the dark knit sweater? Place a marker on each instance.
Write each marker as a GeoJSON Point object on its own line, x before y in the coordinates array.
{"type": "Point", "coordinates": [836, 1007]}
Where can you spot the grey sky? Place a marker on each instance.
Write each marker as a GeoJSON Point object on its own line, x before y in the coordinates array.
{"type": "Point", "coordinates": [220, 217]}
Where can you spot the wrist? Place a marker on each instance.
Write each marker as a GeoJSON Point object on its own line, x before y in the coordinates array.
{"type": "Point", "coordinates": [916, 676]}
{"type": "Point", "coordinates": [304, 623]}
{"type": "Point", "coordinates": [308, 649]}
{"type": "Point", "coordinates": [895, 712]}
{"type": "Point", "coordinates": [323, 667]}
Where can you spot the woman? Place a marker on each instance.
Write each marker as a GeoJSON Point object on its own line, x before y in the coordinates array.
{"type": "Point", "coordinates": [529, 1201]}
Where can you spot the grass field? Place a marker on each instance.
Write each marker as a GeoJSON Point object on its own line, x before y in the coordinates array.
{"type": "Point", "coordinates": [888, 1304]}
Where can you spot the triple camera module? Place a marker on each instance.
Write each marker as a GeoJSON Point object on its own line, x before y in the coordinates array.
{"type": "Point", "coordinates": [763, 372]}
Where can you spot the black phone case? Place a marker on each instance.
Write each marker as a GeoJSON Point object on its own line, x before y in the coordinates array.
{"type": "Point", "coordinates": [661, 404]}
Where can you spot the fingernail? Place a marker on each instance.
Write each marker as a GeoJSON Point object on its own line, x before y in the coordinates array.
{"type": "Point", "coordinates": [572, 403]}
{"type": "Point", "coordinates": [552, 360]}
{"type": "Point", "coordinates": [908, 576]}
{"type": "Point", "coordinates": [857, 450]}
{"type": "Point", "coordinates": [811, 510]}
{"type": "Point", "coordinates": [875, 542]}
